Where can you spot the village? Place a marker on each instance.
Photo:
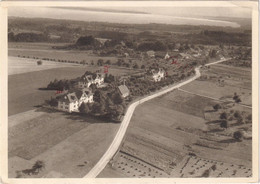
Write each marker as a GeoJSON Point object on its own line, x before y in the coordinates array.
{"type": "Point", "coordinates": [95, 93]}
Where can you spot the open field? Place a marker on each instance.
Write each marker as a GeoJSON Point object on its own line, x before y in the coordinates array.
{"type": "Point", "coordinates": [42, 50]}
{"type": "Point", "coordinates": [23, 89]}
{"type": "Point", "coordinates": [23, 65]}
{"type": "Point", "coordinates": [222, 82]}
{"type": "Point", "coordinates": [180, 135]}
{"type": "Point", "coordinates": [69, 145]}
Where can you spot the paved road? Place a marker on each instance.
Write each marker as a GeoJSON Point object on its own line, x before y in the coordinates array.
{"type": "Point", "coordinates": [94, 172]}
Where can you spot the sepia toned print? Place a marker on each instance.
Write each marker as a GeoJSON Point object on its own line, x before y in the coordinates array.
{"type": "Point", "coordinates": [130, 92]}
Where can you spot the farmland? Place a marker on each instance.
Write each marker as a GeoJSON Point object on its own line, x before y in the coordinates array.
{"type": "Point", "coordinates": [180, 134]}
{"type": "Point", "coordinates": [23, 65]}
{"type": "Point", "coordinates": [68, 145]}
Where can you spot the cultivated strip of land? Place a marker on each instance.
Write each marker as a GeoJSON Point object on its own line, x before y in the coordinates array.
{"type": "Point", "coordinates": [216, 99]}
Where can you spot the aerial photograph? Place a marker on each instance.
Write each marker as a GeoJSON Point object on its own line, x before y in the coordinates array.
{"type": "Point", "coordinates": [129, 92]}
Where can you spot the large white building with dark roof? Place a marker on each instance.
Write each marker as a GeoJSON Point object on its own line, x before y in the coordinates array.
{"type": "Point", "coordinates": [71, 101]}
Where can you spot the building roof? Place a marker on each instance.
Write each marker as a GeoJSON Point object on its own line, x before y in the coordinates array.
{"type": "Point", "coordinates": [100, 75]}
{"type": "Point", "coordinates": [68, 98]}
{"type": "Point", "coordinates": [87, 78]}
{"type": "Point", "coordinates": [79, 92]}
{"type": "Point", "coordinates": [123, 89]}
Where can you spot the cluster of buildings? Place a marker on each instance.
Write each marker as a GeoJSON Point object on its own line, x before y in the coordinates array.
{"type": "Point", "coordinates": [70, 101]}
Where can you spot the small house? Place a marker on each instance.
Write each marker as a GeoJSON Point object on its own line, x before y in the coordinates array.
{"type": "Point", "coordinates": [158, 75]}
{"type": "Point", "coordinates": [167, 56]}
{"type": "Point", "coordinates": [124, 91]}
{"type": "Point", "coordinates": [150, 53]}
{"type": "Point", "coordinates": [85, 81]}
{"type": "Point", "coordinates": [99, 80]}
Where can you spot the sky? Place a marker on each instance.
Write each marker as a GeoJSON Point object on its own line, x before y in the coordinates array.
{"type": "Point", "coordinates": [138, 15]}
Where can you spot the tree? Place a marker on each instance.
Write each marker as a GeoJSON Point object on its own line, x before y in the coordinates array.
{"type": "Point", "coordinates": [136, 66]}
{"type": "Point", "coordinates": [238, 135]}
{"type": "Point", "coordinates": [236, 98]}
{"type": "Point", "coordinates": [117, 98]}
{"type": "Point", "coordinates": [119, 62]}
{"type": "Point", "coordinates": [143, 67]}
{"type": "Point", "coordinates": [100, 62]}
{"type": "Point", "coordinates": [223, 115]}
{"type": "Point", "coordinates": [237, 115]}
{"type": "Point", "coordinates": [53, 102]}
{"type": "Point", "coordinates": [108, 62]}
{"type": "Point", "coordinates": [39, 62]}
{"type": "Point", "coordinates": [249, 117]}
{"type": "Point", "coordinates": [109, 103]}
{"type": "Point", "coordinates": [213, 53]}
{"type": "Point", "coordinates": [224, 124]}
{"type": "Point", "coordinates": [38, 165]}
{"type": "Point", "coordinates": [84, 108]}
{"type": "Point", "coordinates": [86, 40]}
{"type": "Point", "coordinates": [216, 107]}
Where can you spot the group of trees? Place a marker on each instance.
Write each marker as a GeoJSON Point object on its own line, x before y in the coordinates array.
{"type": "Point", "coordinates": [152, 45]}
{"type": "Point", "coordinates": [236, 98]}
{"type": "Point", "coordinates": [27, 37]}
{"type": "Point", "coordinates": [109, 104]}
{"type": "Point", "coordinates": [226, 118]}
{"type": "Point", "coordinates": [60, 85]}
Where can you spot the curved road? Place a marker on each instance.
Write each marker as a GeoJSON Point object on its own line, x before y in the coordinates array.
{"type": "Point", "coordinates": [101, 164]}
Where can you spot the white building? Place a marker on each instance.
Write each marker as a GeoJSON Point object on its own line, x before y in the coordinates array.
{"type": "Point", "coordinates": [87, 80]}
{"type": "Point", "coordinates": [99, 80]}
{"type": "Point", "coordinates": [68, 102]}
{"type": "Point", "coordinates": [158, 75]}
{"type": "Point", "coordinates": [71, 102]}
{"type": "Point", "coordinates": [167, 56]}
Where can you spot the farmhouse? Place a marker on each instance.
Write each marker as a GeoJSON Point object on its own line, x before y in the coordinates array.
{"type": "Point", "coordinates": [158, 75]}
{"type": "Point", "coordinates": [124, 91]}
{"type": "Point", "coordinates": [87, 80]}
{"type": "Point", "coordinates": [70, 102]}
